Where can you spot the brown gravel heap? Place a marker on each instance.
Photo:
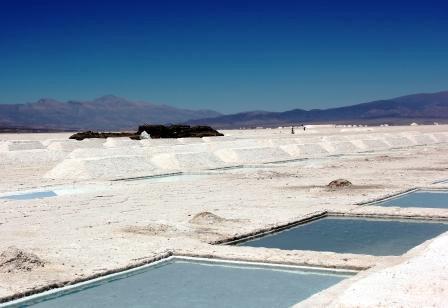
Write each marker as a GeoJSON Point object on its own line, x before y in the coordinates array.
{"type": "Point", "coordinates": [14, 259]}
{"type": "Point", "coordinates": [339, 183]}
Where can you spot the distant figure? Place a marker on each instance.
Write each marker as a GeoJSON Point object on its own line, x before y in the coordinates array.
{"type": "Point", "coordinates": [292, 130]}
{"type": "Point", "coordinates": [304, 127]}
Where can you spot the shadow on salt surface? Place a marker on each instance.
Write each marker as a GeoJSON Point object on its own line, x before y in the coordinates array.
{"type": "Point", "coordinates": [169, 178]}
{"type": "Point", "coordinates": [194, 282]}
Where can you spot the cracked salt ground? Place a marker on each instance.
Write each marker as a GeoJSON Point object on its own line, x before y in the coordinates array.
{"type": "Point", "coordinates": [83, 235]}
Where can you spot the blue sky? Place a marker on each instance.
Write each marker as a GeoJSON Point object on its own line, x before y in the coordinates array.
{"type": "Point", "coordinates": [229, 56]}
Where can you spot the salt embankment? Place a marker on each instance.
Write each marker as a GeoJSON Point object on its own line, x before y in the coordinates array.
{"type": "Point", "coordinates": [149, 157]}
{"type": "Point", "coordinates": [105, 168]}
{"type": "Point", "coordinates": [94, 225]}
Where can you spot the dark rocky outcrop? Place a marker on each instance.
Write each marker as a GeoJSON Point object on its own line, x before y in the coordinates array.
{"type": "Point", "coordinates": [178, 131]}
{"type": "Point", "coordinates": [155, 131]}
{"type": "Point", "coordinates": [91, 134]}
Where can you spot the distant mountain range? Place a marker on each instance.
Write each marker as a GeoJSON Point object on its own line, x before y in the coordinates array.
{"type": "Point", "coordinates": [421, 108]}
{"type": "Point", "coordinates": [105, 113]}
{"type": "Point", "coordinates": [114, 113]}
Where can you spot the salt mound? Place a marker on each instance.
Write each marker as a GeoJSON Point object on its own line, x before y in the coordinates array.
{"type": "Point", "coordinates": [21, 145]}
{"type": "Point", "coordinates": [334, 139]}
{"type": "Point", "coordinates": [144, 135]}
{"type": "Point", "coordinates": [189, 140]}
{"type": "Point", "coordinates": [168, 149]}
{"type": "Point", "coordinates": [121, 142]}
{"type": "Point", "coordinates": [441, 137]}
{"type": "Point", "coordinates": [242, 143]}
{"type": "Point", "coordinates": [252, 155]}
{"type": "Point", "coordinates": [238, 143]}
{"type": "Point", "coordinates": [71, 144]}
{"type": "Point", "coordinates": [159, 142]}
{"type": "Point", "coordinates": [108, 152]}
{"type": "Point", "coordinates": [304, 150]}
{"type": "Point", "coordinates": [398, 142]}
{"type": "Point", "coordinates": [206, 218]}
{"type": "Point", "coordinates": [62, 145]}
{"type": "Point", "coordinates": [373, 144]}
{"type": "Point", "coordinates": [423, 139]}
{"type": "Point", "coordinates": [47, 142]}
{"type": "Point", "coordinates": [31, 157]}
{"type": "Point", "coordinates": [369, 144]}
{"type": "Point", "coordinates": [115, 167]}
{"type": "Point", "coordinates": [14, 259]}
{"type": "Point", "coordinates": [277, 142]}
{"type": "Point", "coordinates": [345, 147]}
{"type": "Point", "coordinates": [307, 140]}
{"type": "Point", "coordinates": [359, 137]}
{"type": "Point", "coordinates": [196, 147]}
{"type": "Point", "coordinates": [218, 139]}
{"type": "Point", "coordinates": [187, 161]}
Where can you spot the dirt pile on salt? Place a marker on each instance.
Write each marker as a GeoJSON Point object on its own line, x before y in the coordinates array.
{"type": "Point", "coordinates": [15, 260]}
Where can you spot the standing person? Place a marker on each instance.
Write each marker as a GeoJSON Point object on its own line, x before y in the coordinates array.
{"type": "Point", "coordinates": [292, 130]}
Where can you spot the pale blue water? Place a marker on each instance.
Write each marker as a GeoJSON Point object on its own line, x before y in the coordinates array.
{"type": "Point", "coordinates": [181, 283]}
{"type": "Point", "coordinates": [31, 195]}
{"type": "Point", "coordinates": [427, 199]}
{"type": "Point", "coordinates": [352, 235]}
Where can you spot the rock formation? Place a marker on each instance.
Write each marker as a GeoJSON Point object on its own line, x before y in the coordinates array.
{"type": "Point", "coordinates": [178, 131]}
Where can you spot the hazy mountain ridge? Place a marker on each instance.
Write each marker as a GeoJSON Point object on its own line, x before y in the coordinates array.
{"type": "Point", "coordinates": [427, 107]}
{"type": "Point", "coordinates": [114, 113]}
{"type": "Point", "coordinates": [105, 113]}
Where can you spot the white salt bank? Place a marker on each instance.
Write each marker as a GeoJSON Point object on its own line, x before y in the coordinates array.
{"type": "Point", "coordinates": [86, 220]}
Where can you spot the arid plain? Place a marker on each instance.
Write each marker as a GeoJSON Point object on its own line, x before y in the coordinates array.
{"type": "Point", "coordinates": [118, 203]}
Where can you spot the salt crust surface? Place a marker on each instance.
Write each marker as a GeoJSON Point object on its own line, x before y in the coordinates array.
{"type": "Point", "coordinates": [95, 225]}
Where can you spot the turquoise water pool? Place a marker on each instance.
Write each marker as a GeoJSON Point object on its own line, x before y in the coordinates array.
{"type": "Point", "coordinates": [379, 237]}
{"type": "Point", "coordinates": [195, 283]}
{"type": "Point", "coordinates": [419, 198]}
{"type": "Point", "coordinates": [30, 195]}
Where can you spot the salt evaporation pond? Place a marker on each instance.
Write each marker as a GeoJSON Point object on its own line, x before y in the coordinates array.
{"type": "Point", "coordinates": [30, 195]}
{"type": "Point", "coordinates": [195, 283]}
{"type": "Point", "coordinates": [378, 237]}
{"type": "Point", "coordinates": [422, 199]}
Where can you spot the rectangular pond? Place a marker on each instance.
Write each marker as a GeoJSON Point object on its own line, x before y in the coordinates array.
{"type": "Point", "coordinates": [418, 198]}
{"type": "Point", "coordinates": [30, 195]}
{"type": "Point", "coordinates": [52, 191]}
{"type": "Point", "coordinates": [179, 282]}
{"type": "Point", "coordinates": [378, 237]}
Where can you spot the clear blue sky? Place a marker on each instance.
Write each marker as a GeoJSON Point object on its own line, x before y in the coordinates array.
{"type": "Point", "coordinates": [224, 55]}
